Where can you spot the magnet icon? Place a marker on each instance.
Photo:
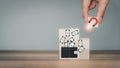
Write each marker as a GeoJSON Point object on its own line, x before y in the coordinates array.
{"type": "Point", "coordinates": [93, 22]}
{"type": "Point", "coordinates": [96, 21]}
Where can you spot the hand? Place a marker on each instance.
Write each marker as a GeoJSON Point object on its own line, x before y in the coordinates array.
{"type": "Point", "coordinates": [90, 4]}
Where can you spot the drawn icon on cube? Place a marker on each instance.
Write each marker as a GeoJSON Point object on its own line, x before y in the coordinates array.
{"type": "Point", "coordinates": [80, 43]}
{"type": "Point", "coordinates": [69, 52]}
{"type": "Point", "coordinates": [93, 22]}
{"type": "Point", "coordinates": [65, 44]}
{"type": "Point", "coordinates": [71, 44]}
{"type": "Point", "coordinates": [76, 32]}
{"type": "Point", "coordinates": [81, 49]}
{"type": "Point", "coordinates": [67, 32]}
{"type": "Point", "coordinates": [80, 46]}
{"type": "Point", "coordinates": [71, 39]}
{"type": "Point", "coordinates": [62, 40]}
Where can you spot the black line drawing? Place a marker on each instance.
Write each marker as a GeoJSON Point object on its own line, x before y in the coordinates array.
{"type": "Point", "coordinates": [80, 46]}
{"type": "Point", "coordinates": [62, 40]}
{"type": "Point", "coordinates": [67, 32]}
{"type": "Point", "coordinates": [74, 32]}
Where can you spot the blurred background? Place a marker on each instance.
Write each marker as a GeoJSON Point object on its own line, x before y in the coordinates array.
{"type": "Point", "coordinates": [34, 24]}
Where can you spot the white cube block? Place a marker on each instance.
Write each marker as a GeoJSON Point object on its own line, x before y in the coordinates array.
{"type": "Point", "coordinates": [93, 22]}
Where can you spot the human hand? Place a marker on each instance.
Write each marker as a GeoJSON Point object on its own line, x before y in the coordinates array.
{"type": "Point", "coordinates": [90, 4]}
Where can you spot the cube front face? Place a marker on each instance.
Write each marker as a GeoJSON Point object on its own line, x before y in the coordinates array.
{"type": "Point", "coordinates": [71, 46]}
{"type": "Point", "coordinates": [68, 43]}
{"type": "Point", "coordinates": [85, 54]}
{"type": "Point", "coordinates": [93, 22]}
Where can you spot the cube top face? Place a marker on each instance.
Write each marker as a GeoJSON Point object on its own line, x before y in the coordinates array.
{"type": "Point", "coordinates": [68, 43]}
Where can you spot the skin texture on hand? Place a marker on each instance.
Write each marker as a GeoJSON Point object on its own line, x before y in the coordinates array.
{"type": "Point", "coordinates": [90, 4]}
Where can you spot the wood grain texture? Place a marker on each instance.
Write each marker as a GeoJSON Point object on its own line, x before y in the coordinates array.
{"type": "Point", "coordinates": [32, 59]}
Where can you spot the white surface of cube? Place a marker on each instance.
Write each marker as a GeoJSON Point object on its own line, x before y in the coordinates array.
{"type": "Point", "coordinates": [93, 22]}
{"type": "Point", "coordinates": [68, 37]}
{"type": "Point", "coordinates": [85, 54]}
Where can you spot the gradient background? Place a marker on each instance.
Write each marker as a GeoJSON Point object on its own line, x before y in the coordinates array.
{"type": "Point", "coordinates": [34, 24]}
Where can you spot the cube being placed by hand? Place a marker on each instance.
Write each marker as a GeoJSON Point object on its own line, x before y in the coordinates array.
{"type": "Point", "coordinates": [93, 22]}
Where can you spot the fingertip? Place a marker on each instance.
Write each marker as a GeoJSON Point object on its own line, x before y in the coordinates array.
{"type": "Point", "coordinates": [86, 20]}
{"type": "Point", "coordinates": [85, 17]}
{"type": "Point", "coordinates": [99, 19]}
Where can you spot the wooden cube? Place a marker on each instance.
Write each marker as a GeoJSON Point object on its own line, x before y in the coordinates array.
{"type": "Point", "coordinates": [71, 46]}
{"type": "Point", "coordinates": [68, 43]}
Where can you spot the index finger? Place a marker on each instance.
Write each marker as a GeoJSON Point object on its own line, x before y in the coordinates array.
{"type": "Point", "coordinates": [85, 5]}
